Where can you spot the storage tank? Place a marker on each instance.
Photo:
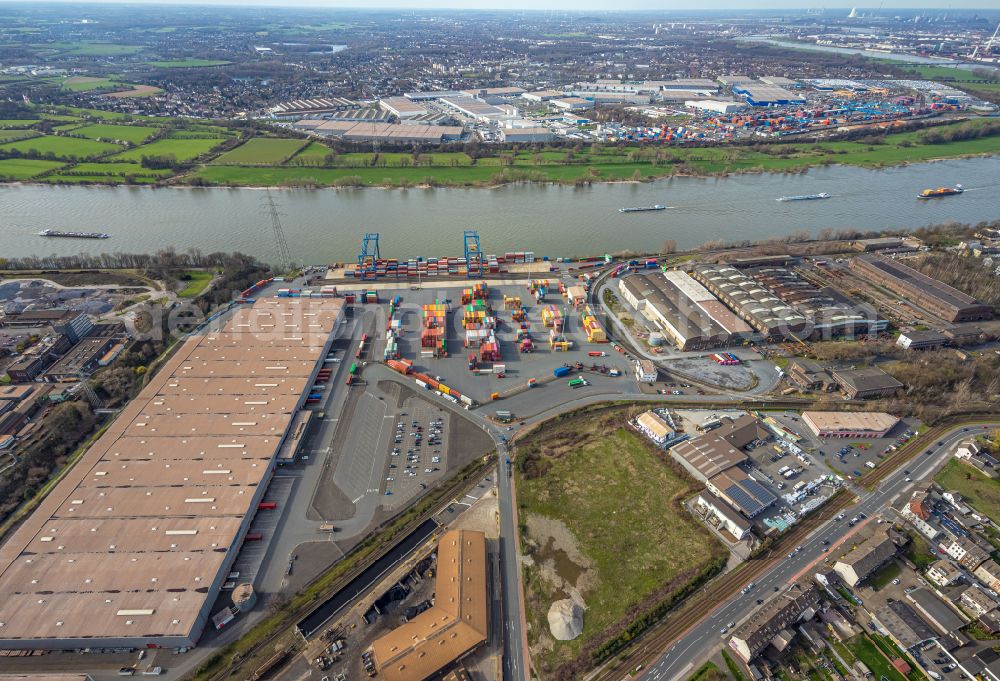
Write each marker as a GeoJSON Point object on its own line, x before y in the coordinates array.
{"type": "Point", "coordinates": [244, 597]}
{"type": "Point", "coordinates": [656, 340]}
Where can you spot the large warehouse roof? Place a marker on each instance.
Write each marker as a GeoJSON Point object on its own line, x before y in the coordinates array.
{"type": "Point", "coordinates": [132, 545]}
{"type": "Point", "coordinates": [456, 624]}
{"type": "Point", "coordinates": [859, 421]}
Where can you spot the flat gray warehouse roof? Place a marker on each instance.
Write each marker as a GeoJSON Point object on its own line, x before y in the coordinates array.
{"type": "Point", "coordinates": [132, 546]}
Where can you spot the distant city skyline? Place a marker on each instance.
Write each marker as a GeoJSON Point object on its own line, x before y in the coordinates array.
{"type": "Point", "coordinates": [564, 5]}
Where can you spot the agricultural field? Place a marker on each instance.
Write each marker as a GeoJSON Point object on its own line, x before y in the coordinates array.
{"type": "Point", "coordinates": [597, 163]}
{"type": "Point", "coordinates": [188, 63]}
{"type": "Point", "coordinates": [135, 134]}
{"type": "Point", "coordinates": [261, 151]}
{"type": "Point", "coordinates": [313, 154]}
{"type": "Point", "coordinates": [61, 147]}
{"type": "Point", "coordinates": [87, 83]}
{"type": "Point", "coordinates": [181, 149]}
{"type": "Point", "coordinates": [85, 49]}
{"type": "Point", "coordinates": [980, 492]}
{"type": "Point", "coordinates": [18, 123]}
{"type": "Point", "coordinates": [582, 542]}
{"type": "Point", "coordinates": [14, 134]}
{"type": "Point", "coordinates": [131, 90]}
{"type": "Point", "coordinates": [15, 169]}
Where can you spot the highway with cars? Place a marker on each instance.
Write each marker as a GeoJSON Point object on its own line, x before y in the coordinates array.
{"type": "Point", "coordinates": [699, 642]}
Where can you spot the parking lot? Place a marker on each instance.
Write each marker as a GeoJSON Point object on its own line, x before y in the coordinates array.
{"type": "Point", "coordinates": [849, 457]}
{"type": "Point", "coordinates": [419, 455]}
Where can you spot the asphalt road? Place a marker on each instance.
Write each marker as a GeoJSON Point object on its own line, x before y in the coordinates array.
{"type": "Point", "coordinates": [700, 642]}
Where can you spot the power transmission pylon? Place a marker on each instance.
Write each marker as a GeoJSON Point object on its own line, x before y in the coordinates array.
{"type": "Point", "coordinates": [284, 257]}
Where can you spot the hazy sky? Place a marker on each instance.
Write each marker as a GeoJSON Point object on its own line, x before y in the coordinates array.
{"type": "Point", "coordinates": [580, 5]}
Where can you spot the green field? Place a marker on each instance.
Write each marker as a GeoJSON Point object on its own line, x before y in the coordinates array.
{"type": "Point", "coordinates": [261, 151]}
{"type": "Point", "coordinates": [9, 135]}
{"type": "Point", "coordinates": [68, 178]}
{"type": "Point", "coordinates": [313, 154]}
{"type": "Point", "coordinates": [194, 282]}
{"type": "Point", "coordinates": [866, 651]}
{"type": "Point", "coordinates": [119, 133]}
{"type": "Point", "coordinates": [102, 50]}
{"type": "Point", "coordinates": [17, 123]}
{"type": "Point", "coordinates": [603, 163]}
{"type": "Point", "coordinates": [13, 169]}
{"type": "Point", "coordinates": [181, 149]}
{"type": "Point", "coordinates": [188, 63]}
{"type": "Point", "coordinates": [980, 492]}
{"type": "Point", "coordinates": [601, 513]}
{"type": "Point", "coordinates": [87, 83]}
{"type": "Point", "coordinates": [61, 147]}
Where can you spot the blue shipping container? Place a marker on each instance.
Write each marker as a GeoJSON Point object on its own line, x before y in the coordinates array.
{"type": "Point", "coordinates": [560, 372]}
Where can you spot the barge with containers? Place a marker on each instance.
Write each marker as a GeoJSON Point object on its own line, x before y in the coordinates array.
{"type": "Point", "coordinates": [940, 192]}
{"type": "Point", "coordinates": [806, 197]}
{"type": "Point", "coordinates": [73, 235]}
{"type": "Point", "coordinates": [642, 209]}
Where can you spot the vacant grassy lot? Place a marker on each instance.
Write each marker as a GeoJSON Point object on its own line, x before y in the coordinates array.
{"type": "Point", "coordinates": [194, 282]}
{"type": "Point", "coordinates": [13, 169]}
{"type": "Point", "coordinates": [188, 63]}
{"type": "Point", "coordinates": [261, 151]}
{"type": "Point", "coordinates": [601, 516]}
{"type": "Point", "coordinates": [87, 83]}
{"type": "Point", "coordinates": [181, 149]}
{"type": "Point", "coordinates": [980, 492]}
{"type": "Point", "coordinates": [135, 134]}
{"type": "Point", "coordinates": [61, 147]}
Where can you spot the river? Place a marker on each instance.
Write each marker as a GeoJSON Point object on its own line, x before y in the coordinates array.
{"type": "Point", "coordinates": [874, 54]}
{"type": "Point", "coordinates": [324, 225]}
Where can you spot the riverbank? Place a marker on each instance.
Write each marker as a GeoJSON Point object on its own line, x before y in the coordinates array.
{"type": "Point", "coordinates": [600, 164]}
{"type": "Point", "coordinates": [133, 153]}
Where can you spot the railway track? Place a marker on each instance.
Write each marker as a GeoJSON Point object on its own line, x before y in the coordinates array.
{"type": "Point", "coordinates": [657, 639]}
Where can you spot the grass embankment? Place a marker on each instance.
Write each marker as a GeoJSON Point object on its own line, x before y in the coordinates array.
{"type": "Point", "coordinates": [601, 516]}
{"type": "Point", "coordinates": [194, 282]}
{"type": "Point", "coordinates": [597, 163]}
{"type": "Point", "coordinates": [980, 491]}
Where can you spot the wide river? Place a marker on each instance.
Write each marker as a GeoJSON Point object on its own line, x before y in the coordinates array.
{"type": "Point", "coordinates": [327, 224]}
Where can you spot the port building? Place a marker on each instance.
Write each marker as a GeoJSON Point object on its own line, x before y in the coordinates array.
{"type": "Point", "coordinates": [401, 107]}
{"type": "Point", "coordinates": [761, 94]}
{"type": "Point", "coordinates": [853, 424]}
{"type": "Point", "coordinates": [683, 309]}
{"type": "Point", "coordinates": [829, 313]}
{"type": "Point", "coordinates": [718, 451]}
{"type": "Point", "coordinates": [454, 626]}
{"type": "Point", "coordinates": [752, 301]}
{"type": "Point", "coordinates": [130, 549]}
{"type": "Point", "coordinates": [865, 382]}
{"type": "Point", "coordinates": [935, 296]}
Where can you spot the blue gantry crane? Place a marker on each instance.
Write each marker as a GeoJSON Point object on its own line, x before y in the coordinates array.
{"type": "Point", "coordinates": [369, 255]}
{"type": "Point", "coordinates": [473, 254]}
